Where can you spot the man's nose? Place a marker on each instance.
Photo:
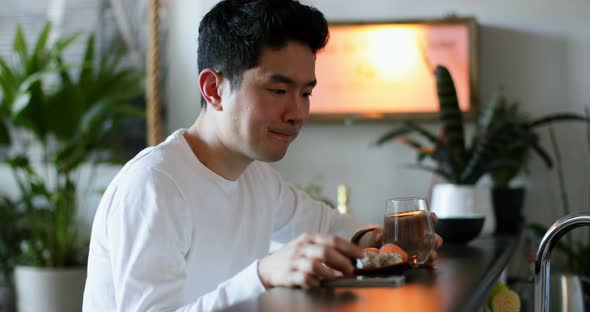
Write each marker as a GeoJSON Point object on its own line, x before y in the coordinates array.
{"type": "Point", "coordinates": [297, 110]}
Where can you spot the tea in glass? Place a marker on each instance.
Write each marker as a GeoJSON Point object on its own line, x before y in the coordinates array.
{"type": "Point", "coordinates": [407, 223]}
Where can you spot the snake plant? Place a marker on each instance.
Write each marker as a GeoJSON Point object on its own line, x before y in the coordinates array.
{"type": "Point", "coordinates": [502, 138]}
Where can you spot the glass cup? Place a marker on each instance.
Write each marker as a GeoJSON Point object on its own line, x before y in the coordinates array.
{"type": "Point", "coordinates": [407, 223]}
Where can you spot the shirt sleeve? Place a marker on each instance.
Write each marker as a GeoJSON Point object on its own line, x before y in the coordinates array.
{"type": "Point", "coordinates": [149, 234]}
{"type": "Point", "coordinates": [297, 213]}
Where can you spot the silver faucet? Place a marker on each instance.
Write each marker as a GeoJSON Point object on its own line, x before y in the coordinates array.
{"type": "Point", "coordinates": [543, 265]}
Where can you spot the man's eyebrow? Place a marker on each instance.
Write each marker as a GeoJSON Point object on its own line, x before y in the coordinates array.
{"type": "Point", "coordinates": [284, 79]}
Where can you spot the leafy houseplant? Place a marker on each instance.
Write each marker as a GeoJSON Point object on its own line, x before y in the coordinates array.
{"type": "Point", "coordinates": [519, 131]}
{"type": "Point", "coordinates": [54, 119]}
{"type": "Point", "coordinates": [503, 137]}
{"type": "Point", "coordinates": [577, 251]}
{"type": "Point", "coordinates": [462, 166]}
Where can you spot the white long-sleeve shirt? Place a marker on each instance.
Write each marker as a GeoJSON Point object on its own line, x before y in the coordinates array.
{"type": "Point", "coordinates": [171, 235]}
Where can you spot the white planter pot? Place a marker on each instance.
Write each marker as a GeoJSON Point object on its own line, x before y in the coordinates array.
{"type": "Point", "coordinates": [49, 289]}
{"type": "Point", "coordinates": [464, 201]}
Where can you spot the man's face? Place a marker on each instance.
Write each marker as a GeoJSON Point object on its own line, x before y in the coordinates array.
{"type": "Point", "coordinates": [264, 115]}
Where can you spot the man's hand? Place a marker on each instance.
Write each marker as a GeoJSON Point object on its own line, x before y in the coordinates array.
{"type": "Point", "coordinates": [373, 238]}
{"type": "Point", "coordinates": [437, 242]}
{"type": "Point", "coordinates": [307, 260]}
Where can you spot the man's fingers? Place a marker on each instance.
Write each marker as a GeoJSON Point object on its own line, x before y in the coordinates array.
{"type": "Point", "coordinates": [378, 235]}
{"type": "Point", "coordinates": [433, 255]}
{"type": "Point", "coordinates": [316, 267]}
{"type": "Point", "coordinates": [345, 247]}
{"type": "Point", "coordinates": [430, 261]}
{"type": "Point", "coordinates": [437, 241]}
{"type": "Point", "coordinates": [433, 217]}
{"type": "Point", "coordinates": [304, 279]}
{"type": "Point", "coordinates": [330, 256]}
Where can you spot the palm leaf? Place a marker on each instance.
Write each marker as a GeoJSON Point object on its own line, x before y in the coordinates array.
{"type": "Point", "coordinates": [63, 111]}
{"type": "Point", "coordinates": [20, 103]}
{"type": "Point", "coordinates": [111, 61]}
{"type": "Point", "coordinates": [63, 43]}
{"type": "Point", "coordinates": [24, 95]}
{"type": "Point", "coordinates": [9, 80]}
{"type": "Point", "coordinates": [36, 59]}
{"type": "Point", "coordinates": [88, 62]}
{"type": "Point", "coordinates": [19, 45]}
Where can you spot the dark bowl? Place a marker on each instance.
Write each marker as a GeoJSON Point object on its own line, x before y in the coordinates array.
{"type": "Point", "coordinates": [459, 229]}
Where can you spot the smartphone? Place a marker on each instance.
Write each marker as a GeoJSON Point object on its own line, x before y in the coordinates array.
{"type": "Point", "coordinates": [364, 281]}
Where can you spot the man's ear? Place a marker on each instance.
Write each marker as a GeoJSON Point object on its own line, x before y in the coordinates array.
{"type": "Point", "coordinates": [210, 84]}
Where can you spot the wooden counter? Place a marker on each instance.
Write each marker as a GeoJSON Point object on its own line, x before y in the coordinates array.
{"type": "Point", "coordinates": [460, 281]}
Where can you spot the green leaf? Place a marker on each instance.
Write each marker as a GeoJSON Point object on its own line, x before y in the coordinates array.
{"type": "Point", "coordinates": [487, 114]}
{"type": "Point", "coordinates": [88, 62]}
{"type": "Point", "coordinates": [111, 61]}
{"type": "Point", "coordinates": [425, 133]}
{"type": "Point", "coordinates": [40, 46]}
{"type": "Point", "coordinates": [63, 112]}
{"type": "Point", "coordinates": [19, 162]}
{"type": "Point", "coordinates": [20, 103]}
{"type": "Point", "coordinates": [19, 46]}
{"type": "Point", "coordinates": [73, 154]}
{"type": "Point", "coordinates": [450, 116]}
{"type": "Point", "coordinates": [410, 142]}
{"type": "Point", "coordinates": [559, 117]}
{"type": "Point", "coordinates": [63, 43]}
{"type": "Point", "coordinates": [537, 148]}
{"type": "Point", "coordinates": [7, 73]}
{"type": "Point", "coordinates": [64, 73]}
{"type": "Point", "coordinates": [392, 134]}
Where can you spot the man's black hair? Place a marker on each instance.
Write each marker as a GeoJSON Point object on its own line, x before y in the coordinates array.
{"type": "Point", "coordinates": [233, 33]}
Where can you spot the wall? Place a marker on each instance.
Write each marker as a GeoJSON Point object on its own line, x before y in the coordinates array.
{"type": "Point", "coordinates": [538, 50]}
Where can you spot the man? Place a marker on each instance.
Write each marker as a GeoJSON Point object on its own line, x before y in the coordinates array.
{"type": "Point", "coordinates": [186, 225]}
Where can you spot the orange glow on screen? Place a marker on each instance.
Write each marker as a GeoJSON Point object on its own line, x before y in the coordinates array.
{"type": "Point", "coordinates": [387, 68]}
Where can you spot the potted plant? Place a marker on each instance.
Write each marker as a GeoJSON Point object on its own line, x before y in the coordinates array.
{"type": "Point", "coordinates": [459, 164]}
{"type": "Point", "coordinates": [575, 248]}
{"type": "Point", "coordinates": [502, 139]}
{"type": "Point", "coordinates": [518, 137]}
{"type": "Point", "coordinates": [508, 200]}
{"type": "Point", "coordinates": [55, 119]}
